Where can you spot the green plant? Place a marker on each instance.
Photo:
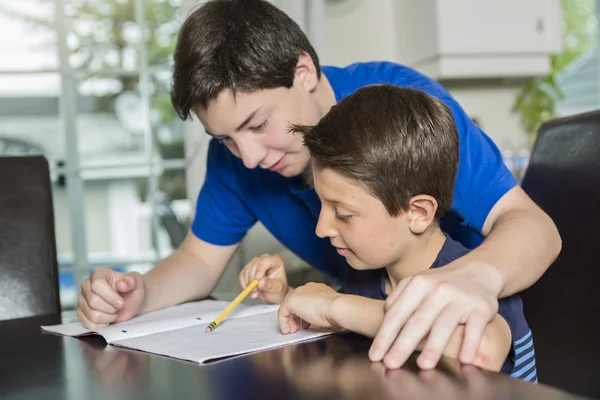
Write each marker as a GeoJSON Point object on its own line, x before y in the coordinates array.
{"type": "Point", "coordinates": [536, 99]}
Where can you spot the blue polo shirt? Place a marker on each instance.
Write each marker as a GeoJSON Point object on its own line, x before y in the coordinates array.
{"type": "Point", "coordinates": [233, 197]}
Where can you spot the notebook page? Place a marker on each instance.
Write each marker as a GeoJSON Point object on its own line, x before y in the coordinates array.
{"type": "Point", "coordinates": [190, 314]}
{"type": "Point", "coordinates": [237, 336]}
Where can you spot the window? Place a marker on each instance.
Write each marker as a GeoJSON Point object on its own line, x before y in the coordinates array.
{"type": "Point", "coordinates": [573, 84]}
{"type": "Point", "coordinates": [87, 86]}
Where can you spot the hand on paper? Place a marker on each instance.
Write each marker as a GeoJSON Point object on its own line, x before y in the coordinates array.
{"type": "Point", "coordinates": [272, 280]}
{"type": "Point", "coordinates": [109, 296]}
{"type": "Point", "coordinates": [310, 304]}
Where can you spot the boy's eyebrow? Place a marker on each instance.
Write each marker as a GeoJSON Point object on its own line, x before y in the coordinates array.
{"type": "Point", "coordinates": [243, 124]}
{"type": "Point", "coordinates": [334, 202]}
{"type": "Point", "coordinates": [337, 202]}
{"type": "Point", "coordinates": [248, 119]}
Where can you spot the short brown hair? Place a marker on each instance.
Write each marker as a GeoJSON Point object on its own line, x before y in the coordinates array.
{"type": "Point", "coordinates": [398, 142]}
{"type": "Point", "coordinates": [241, 45]}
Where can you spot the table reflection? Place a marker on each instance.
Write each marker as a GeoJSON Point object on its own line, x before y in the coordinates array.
{"type": "Point", "coordinates": [334, 367]}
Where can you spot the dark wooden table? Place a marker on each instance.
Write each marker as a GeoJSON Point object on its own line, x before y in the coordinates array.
{"type": "Point", "coordinates": [36, 365]}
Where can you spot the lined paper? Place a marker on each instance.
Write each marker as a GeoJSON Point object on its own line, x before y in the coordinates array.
{"type": "Point", "coordinates": [178, 331]}
{"type": "Point", "coordinates": [176, 317]}
{"type": "Point", "coordinates": [241, 335]}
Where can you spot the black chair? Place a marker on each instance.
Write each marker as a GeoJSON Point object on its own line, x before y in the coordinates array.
{"type": "Point", "coordinates": [563, 308]}
{"type": "Point", "coordinates": [175, 229]}
{"type": "Point", "coordinates": [28, 266]}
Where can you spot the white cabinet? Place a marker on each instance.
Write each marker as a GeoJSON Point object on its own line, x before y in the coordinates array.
{"type": "Point", "coordinates": [454, 39]}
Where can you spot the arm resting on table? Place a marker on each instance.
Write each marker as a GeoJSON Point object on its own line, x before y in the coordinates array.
{"type": "Point", "coordinates": [364, 316]}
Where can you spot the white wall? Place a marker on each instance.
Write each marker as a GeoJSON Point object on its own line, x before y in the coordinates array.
{"type": "Point", "coordinates": [96, 218]}
{"type": "Point", "coordinates": [358, 30]}
{"type": "Point", "coordinates": [365, 30]}
{"type": "Point", "coordinates": [491, 103]}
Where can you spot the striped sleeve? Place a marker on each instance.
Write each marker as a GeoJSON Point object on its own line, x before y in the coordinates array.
{"type": "Point", "coordinates": [524, 361]}
{"type": "Point", "coordinates": [520, 361]}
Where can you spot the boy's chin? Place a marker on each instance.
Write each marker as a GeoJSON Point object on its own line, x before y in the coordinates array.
{"type": "Point", "coordinates": [291, 170]}
{"type": "Point", "coordinates": [359, 265]}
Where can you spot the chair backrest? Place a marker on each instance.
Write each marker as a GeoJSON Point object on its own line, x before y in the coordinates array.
{"type": "Point", "coordinates": [563, 308]}
{"type": "Point", "coordinates": [175, 229]}
{"type": "Point", "coordinates": [28, 265]}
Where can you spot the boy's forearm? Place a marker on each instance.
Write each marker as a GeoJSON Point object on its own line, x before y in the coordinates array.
{"type": "Point", "coordinates": [178, 278]}
{"type": "Point", "coordinates": [357, 314]}
{"type": "Point", "coordinates": [364, 316]}
{"type": "Point", "coordinates": [520, 248]}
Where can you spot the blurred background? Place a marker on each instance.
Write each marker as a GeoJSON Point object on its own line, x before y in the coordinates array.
{"type": "Point", "coordinates": [86, 84]}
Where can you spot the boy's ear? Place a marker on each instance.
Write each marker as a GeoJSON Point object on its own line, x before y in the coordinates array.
{"type": "Point", "coordinates": [422, 209]}
{"type": "Point", "coordinates": [306, 72]}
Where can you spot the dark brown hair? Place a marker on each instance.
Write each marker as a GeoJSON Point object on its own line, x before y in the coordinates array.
{"type": "Point", "coordinates": [242, 45]}
{"type": "Point", "coordinates": [398, 142]}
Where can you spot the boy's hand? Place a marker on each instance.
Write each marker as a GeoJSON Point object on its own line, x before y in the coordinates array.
{"type": "Point", "coordinates": [110, 296]}
{"type": "Point", "coordinates": [310, 303]}
{"type": "Point", "coordinates": [272, 280]}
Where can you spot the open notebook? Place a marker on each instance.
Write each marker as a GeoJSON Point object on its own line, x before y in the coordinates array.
{"type": "Point", "coordinates": [178, 331]}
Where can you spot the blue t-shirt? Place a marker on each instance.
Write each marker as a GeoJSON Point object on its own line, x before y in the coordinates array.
{"type": "Point", "coordinates": [519, 363]}
{"type": "Point", "coordinates": [233, 197]}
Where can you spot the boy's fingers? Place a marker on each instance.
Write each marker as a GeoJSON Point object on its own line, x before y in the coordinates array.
{"type": "Point", "coordinates": [266, 267]}
{"type": "Point", "coordinates": [244, 279]}
{"type": "Point", "coordinates": [247, 273]}
{"type": "Point", "coordinates": [103, 289]}
{"type": "Point", "coordinates": [252, 271]}
{"type": "Point", "coordinates": [296, 324]}
{"type": "Point", "coordinates": [395, 317]}
{"type": "Point", "coordinates": [86, 322]}
{"type": "Point", "coordinates": [439, 337]}
{"type": "Point", "coordinates": [389, 302]}
{"type": "Point", "coordinates": [283, 316]}
{"type": "Point", "coordinates": [270, 285]}
{"type": "Point", "coordinates": [126, 284]}
{"type": "Point", "coordinates": [474, 331]}
{"type": "Point", "coordinates": [94, 316]}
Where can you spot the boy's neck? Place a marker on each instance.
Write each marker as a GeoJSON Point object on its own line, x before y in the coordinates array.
{"type": "Point", "coordinates": [419, 257]}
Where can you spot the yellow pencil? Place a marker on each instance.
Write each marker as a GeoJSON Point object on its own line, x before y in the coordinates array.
{"type": "Point", "coordinates": [231, 306]}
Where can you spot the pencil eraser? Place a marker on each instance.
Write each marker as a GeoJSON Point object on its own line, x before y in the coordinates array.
{"type": "Point", "coordinates": [207, 330]}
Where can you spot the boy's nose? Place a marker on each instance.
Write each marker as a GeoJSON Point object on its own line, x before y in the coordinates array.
{"type": "Point", "coordinates": [324, 228]}
{"type": "Point", "coordinates": [251, 152]}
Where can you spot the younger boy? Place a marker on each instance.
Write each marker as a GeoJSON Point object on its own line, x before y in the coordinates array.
{"type": "Point", "coordinates": [384, 163]}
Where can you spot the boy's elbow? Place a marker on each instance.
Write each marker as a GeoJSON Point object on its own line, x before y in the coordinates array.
{"type": "Point", "coordinates": [557, 247]}
{"type": "Point", "coordinates": [489, 356]}
{"type": "Point", "coordinates": [495, 345]}
{"type": "Point", "coordinates": [554, 241]}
